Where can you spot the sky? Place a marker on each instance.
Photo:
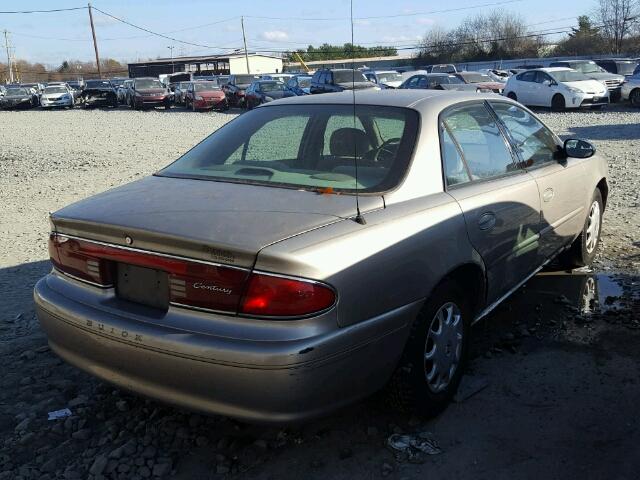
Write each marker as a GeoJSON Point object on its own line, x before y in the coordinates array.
{"type": "Point", "coordinates": [214, 25]}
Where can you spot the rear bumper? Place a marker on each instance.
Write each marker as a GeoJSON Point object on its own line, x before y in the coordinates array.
{"type": "Point", "coordinates": [263, 381]}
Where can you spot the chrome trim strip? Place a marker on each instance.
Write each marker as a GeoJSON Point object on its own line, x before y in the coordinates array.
{"type": "Point", "coordinates": [82, 280]}
{"type": "Point", "coordinates": [202, 309]}
{"type": "Point", "coordinates": [151, 252]}
{"type": "Point", "coordinates": [491, 307]}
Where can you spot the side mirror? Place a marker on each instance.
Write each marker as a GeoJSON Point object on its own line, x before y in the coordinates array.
{"type": "Point", "coordinates": [576, 148]}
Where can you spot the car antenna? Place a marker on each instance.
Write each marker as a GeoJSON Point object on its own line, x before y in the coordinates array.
{"type": "Point", "coordinates": [358, 218]}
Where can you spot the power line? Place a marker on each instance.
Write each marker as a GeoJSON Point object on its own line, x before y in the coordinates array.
{"type": "Point", "coordinates": [159, 34]}
{"type": "Point", "coordinates": [45, 11]}
{"type": "Point", "coordinates": [448, 10]}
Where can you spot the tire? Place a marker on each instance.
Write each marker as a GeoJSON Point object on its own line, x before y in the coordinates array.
{"type": "Point", "coordinates": [409, 389]}
{"type": "Point", "coordinates": [634, 97]}
{"type": "Point", "coordinates": [557, 103]}
{"type": "Point", "coordinates": [597, 107]}
{"type": "Point", "coordinates": [584, 248]}
{"type": "Point", "coordinates": [167, 105]}
{"type": "Point", "coordinates": [512, 96]}
{"type": "Point", "coordinates": [193, 107]}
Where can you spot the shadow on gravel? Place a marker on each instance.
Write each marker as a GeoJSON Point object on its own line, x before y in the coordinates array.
{"type": "Point", "coordinates": [613, 132]}
{"type": "Point", "coordinates": [551, 392]}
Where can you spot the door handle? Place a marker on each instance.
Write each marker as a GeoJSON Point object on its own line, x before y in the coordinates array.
{"type": "Point", "coordinates": [548, 195]}
{"type": "Point", "coordinates": [487, 221]}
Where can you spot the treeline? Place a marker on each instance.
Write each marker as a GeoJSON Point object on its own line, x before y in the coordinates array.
{"type": "Point", "coordinates": [327, 51]}
{"type": "Point", "coordinates": [612, 27]}
{"type": "Point", "coordinates": [27, 72]}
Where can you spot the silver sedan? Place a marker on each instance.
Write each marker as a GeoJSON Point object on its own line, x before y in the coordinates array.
{"type": "Point", "coordinates": [631, 90]}
{"type": "Point", "coordinates": [311, 252]}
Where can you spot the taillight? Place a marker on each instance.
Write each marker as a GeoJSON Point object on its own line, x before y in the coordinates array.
{"type": "Point", "coordinates": [193, 283]}
{"type": "Point", "coordinates": [74, 258]}
{"type": "Point", "coordinates": [274, 296]}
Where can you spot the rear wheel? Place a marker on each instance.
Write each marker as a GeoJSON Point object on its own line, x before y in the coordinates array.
{"type": "Point", "coordinates": [634, 97]}
{"type": "Point", "coordinates": [434, 358]}
{"type": "Point", "coordinates": [584, 248]}
{"type": "Point", "coordinates": [557, 103]}
{"type": "Point", "coordinates": [512, 96]}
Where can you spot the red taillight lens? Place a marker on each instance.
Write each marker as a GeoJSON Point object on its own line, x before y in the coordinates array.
{"type": "Point", "coordinates": [273, 296]}
{"type": "Point", "coordinates": [74, 258]}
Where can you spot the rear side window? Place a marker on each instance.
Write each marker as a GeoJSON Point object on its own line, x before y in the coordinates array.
{"type": "Point", "coordinates": [535, 144]}
{"type": "Point", "coordinates": [455, 171]}
{"type": "Point", "coordinates": [483, 146]}
{"type": "Point", "coordinates": [527, 77]}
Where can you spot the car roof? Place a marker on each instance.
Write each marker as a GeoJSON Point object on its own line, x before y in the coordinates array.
{"type": "Point", "coordinates": [422, 100]}
{"type": "Point", "coordinates": [552, 69]}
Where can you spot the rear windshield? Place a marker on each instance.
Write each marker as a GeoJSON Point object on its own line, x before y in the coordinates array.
{"type": "Point", "coordinates": [205, 86]}
{"type": "Point", "coordinates": [348, 76]}
{"type": "Point", "coordinates": [626, 68]}
{"type": "Point", "coordinates": [245, 79]}
{"type": "Point", "coordinates": [271, 87]}
{"type": "Point", "coordinates": [568, 76]}
{"type": "Point", "coordinates": [476, 77]}
{"type": "Point", "coordinates": [55, 90]}
{"type": "Point", "coordinates": [307, 147]}
{"type": "Point", "coordinates": [97, 84]}
{"type": "Point", "coordinates": [149, 83]}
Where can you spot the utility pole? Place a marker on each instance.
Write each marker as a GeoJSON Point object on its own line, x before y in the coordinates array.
{"type": "Point", "coordinates": [95, 43]}
{"type": "Point", "coordinates": [9, 64]}
{"type": "Point", "coordinates": [244, 40]}
{"type": "Point", "coordinates": [171, 47]}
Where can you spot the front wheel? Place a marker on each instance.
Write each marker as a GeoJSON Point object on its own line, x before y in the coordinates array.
{"type": "Point", "coordinates": [434, 357]}
{"type": "Point", "coordinates": [584, 248]}
{"type": "Point", "coordinates": [634, 98]}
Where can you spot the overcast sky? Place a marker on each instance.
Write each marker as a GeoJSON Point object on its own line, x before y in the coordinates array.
{"type": "Point", "coordinates": [52, 37]}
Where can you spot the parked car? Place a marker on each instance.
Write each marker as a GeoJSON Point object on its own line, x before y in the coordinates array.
{"type": "Point", "coordinates": [179, 92]}
{"type": "Point", "coordinates": [442, 68]}
{"type": "Point", "coordinates": [384, 78]}
{"type": "Point", "coordinates": [530, 66]}
{"type": "Point", "coordinates": [496, 75]}
{"type": "Point", "coordinates": [338, 80]}
{"type": "Point", "coordinates": [76, 87]}
{"type": "Point", "coordinates": [300, 84]}
{"type": "Point", "coordinates": [205, 96]}
{"type": "Point", "coordinates": [226, 284]}
{"type": "Point", "coordinates": [556, 88]}
{"type": "Point", "coordinates": [619, 66]}
{"type": "Point", "coordinates": [99, 93]}
{"type": "Point", "coordinates": [123, 92]}
{"type": "Point", "coordinates": [18, 97]}
{"type": "Point", "coordinates": [436, 81]}
{"type": "Point", "coordinates": [149, 92]}
{"type": "Point", "coordinates": [592, 70]}
{"type": "Point", "coordinates": [481, 81]}
{"type": "Point", "coordinates": [57, 96]}
{"type": "Point", "coordinates": [235, 87]}
{"type": "Point", "coordinates": [117, 82]}
{"type": "Point", "coordinates": [631, 90]}
{"type": "Point", "coordinates": [37, 87]}
{"type": "Point", "coordinates": [264, 91]}
{"type": "Point", "coordinates": [3, 90]}
{"type": "Point", "coordinates": [281, 77]}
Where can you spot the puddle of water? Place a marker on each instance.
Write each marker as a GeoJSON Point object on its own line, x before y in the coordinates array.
{"type": "Point", "coordinates": [575, 306]}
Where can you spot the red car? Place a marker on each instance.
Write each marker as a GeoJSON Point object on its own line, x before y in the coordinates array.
{"type": "Point", "coordinates": [482, 81]}
{"type": "Point", "coordinates": [205, 95]}
{"type": "Point", "coordinates": [149, 93]}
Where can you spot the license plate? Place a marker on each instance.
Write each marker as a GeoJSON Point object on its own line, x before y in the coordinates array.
{"type": "Point", "coordinates": [143, 285]}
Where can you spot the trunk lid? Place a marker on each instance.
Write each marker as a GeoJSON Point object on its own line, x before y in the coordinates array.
{"type": "Point", "coordinates": [220, 222]}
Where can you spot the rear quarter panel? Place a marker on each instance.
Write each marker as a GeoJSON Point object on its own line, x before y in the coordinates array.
{"type": "Point", "coordinates": [397, 258]}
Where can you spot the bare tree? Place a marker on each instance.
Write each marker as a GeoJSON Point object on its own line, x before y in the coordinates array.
{"type": "Point", "coordinates": [617, 19]}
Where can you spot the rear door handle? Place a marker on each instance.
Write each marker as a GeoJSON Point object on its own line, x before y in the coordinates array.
{"type": "Point", "coordinates": [548, 195]}
{"type": "Point", "coordinates": [487, 221]}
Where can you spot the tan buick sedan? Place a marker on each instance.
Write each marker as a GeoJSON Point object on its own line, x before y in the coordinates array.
{"type": "Point", "coordinates": [310, 251]}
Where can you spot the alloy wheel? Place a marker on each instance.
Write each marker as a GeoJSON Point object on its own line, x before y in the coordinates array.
{"type": "Point", "coordinates": [593, 227]}
{"type": "Point", "coordinates": [443, 347]}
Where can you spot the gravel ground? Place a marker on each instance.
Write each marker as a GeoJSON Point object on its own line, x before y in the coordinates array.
{"type": "Point", "coordinates": [556, 366]}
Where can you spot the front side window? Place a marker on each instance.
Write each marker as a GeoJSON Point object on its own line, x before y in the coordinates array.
{"type": "Point", "coordinates": [308, 147]}
{"type": "Point", "coordinates": [534, 142]}
{"type": "Point", "coordinates": [482, 144]}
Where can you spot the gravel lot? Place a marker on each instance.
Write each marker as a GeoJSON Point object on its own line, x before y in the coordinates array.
{"type": "Point", "coordinates": [559, 372]}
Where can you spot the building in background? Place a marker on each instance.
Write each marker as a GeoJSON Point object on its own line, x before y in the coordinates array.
{"type": "Point", "coordinates": [207, 65]}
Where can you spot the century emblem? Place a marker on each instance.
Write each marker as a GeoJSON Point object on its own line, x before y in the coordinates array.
{"type": "Point", "coordinates": [212, 288]}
